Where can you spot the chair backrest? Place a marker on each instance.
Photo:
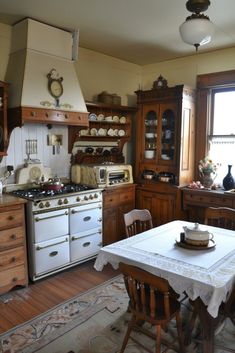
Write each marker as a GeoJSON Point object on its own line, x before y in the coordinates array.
{"type": "Point", "coordinates": [144, 290]}
{"type": "Point", "coordinates": [222, 217]}
{"type": "Point", "coordinates": [137, 221]}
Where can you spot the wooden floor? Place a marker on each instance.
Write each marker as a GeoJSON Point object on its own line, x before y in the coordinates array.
{"type": "Point", "coordinates": [40, 296]}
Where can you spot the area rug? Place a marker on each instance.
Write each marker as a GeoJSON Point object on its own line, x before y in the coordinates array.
{"type": "Point", "coordinates": [95, 322]}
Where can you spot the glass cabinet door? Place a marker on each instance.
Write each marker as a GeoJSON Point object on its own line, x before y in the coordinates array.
{"type": "Point", "coordinates": [150, 134]}
{"type": "Point", "coordinates": [167, 152]}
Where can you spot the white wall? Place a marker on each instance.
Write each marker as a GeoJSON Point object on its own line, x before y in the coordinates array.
{"type": "Point", "coordinates": [185, 70]}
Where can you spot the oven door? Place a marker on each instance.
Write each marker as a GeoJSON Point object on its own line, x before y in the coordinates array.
{"type": "Point", "coordinates": [51, 254]}
{"type": "Point", "coordinates": [86, 246]}
{"type": "Point", "coordinates": [50, 225]}
{"type": "Point", "coordinates": [87, 217]}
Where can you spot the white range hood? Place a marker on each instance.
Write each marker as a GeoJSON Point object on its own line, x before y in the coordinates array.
{"type": "Point", "coordinates": [36, 49]}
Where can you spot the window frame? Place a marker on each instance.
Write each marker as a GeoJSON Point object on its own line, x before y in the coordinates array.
{"type": "Point", "coordinates": [206, 83]}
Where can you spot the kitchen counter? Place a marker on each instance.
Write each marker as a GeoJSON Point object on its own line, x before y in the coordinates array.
{"type": "Point", "coordinates": [9, 200]}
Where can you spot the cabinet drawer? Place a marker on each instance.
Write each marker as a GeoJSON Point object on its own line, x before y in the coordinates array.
{"type": "Point", "coordinates": [10, 238]}
{"type": "Point", "coordinates": [12, 277]}
{"type": "Point", "coordinates": [111, 200]}
{"type": "Point", "coordinates": [126, 197]}
{"type": "Point", "coordinates": [11, 258]}
{"type": "Point", "coordinates": [208, 200]}
{"type": "Point", "coordinates": [11, 219]}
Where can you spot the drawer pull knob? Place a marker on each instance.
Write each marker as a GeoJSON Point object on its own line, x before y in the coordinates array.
{"type": "Point", "coordinates": [99, 219]}
{"type": "Point", "coordinates": [10, 218]}
{"type": "Point", "coordinates": [87, 218]}
{"type": "Point", "coordinates": [13, 236]}
{"type": "Point", "coordinates": [53, 253]}
{"type": "Point", "coordinates": [14, 279]}
{"type": "Point", "coordinates": [86, 244]}
{"type": "Point", "coordinates": [32, 113]}
{"type": "Point", "coordinates": [13, 259]}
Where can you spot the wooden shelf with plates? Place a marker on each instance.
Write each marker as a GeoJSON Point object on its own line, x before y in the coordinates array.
{"type": "Point", "coordinates": [109, 129]}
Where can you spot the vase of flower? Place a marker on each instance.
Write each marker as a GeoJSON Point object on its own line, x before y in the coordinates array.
{"type": "Point", "coordinates": [207, 180]}
{"type": "Point", "coordinates": [228, 181]}
{"type": "Point", "coordinates": [207, 172]}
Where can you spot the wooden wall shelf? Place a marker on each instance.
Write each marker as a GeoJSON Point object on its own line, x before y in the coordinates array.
{"type": "Point", "coordinates": [81, 138]}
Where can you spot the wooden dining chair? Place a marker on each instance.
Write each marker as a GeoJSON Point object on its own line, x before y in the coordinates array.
{"type": "Point", "coordinates": [137, 221]}
{"type": "Point", "coordinates": [222, 217]}
{"type": "Point", "coordinates": [150, 301]}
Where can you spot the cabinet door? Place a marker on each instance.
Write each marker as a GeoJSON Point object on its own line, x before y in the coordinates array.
{"type": "Point", "coordinates": [150, 132]}
{"type": "Point", "coordinates": [168, 133]}
{"type": "Point", "coordinates": [161, 206]}
{"type": "Point", "coordinates": [110, 226]}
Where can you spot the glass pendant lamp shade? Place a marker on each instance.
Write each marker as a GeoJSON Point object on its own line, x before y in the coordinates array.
{"type": "Point", "coordinates": [197, 31]}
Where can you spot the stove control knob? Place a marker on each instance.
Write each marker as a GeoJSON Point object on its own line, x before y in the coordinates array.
{"type": "Point", "coordinates": [47, 204]}
{"type": "Point", "coordinates": [86, 198]}
{"type": "Point", "coordinates": [96, 196]}
{"type": "Point", "coordinates": [78, 199]}
{"type": "Point", "coordinates": [91, 197]}
{"type": "Point", "coordinates": [41, 205]}
{"type": "Point", "coordinates": [60, 202]}
{"type": "Point", "coordinates": [66, 201]}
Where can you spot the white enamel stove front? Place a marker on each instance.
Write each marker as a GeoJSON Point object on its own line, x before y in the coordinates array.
{"type": "Point", "coordinates": [63, 231]}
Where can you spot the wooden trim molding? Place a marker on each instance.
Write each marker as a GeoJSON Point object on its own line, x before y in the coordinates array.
{"type": "Point", "coordinates": [205, 83]}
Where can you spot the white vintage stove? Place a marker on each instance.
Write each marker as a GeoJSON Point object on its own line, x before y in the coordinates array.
{"type": "Point", "coordinates": [64, 227]}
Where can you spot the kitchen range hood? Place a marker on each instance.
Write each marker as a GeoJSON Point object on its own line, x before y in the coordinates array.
{"type": "Point", "coordinates": [44, 87]}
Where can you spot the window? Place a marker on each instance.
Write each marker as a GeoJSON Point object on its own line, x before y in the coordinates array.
{"type": "Point", "coordinates": [215, 121]}
{"type": "Point", "coordinates": [221, 137]}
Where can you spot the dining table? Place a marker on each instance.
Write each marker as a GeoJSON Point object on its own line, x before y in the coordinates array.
{"type": "Point", "coordinates": [205, 274]}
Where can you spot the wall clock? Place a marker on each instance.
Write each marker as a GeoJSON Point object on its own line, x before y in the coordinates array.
{"type": "Point", "coordinates": [55, 86]}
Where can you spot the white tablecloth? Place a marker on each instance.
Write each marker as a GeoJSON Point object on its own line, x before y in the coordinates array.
{"type": "Point", "coordinates": [209, 274]}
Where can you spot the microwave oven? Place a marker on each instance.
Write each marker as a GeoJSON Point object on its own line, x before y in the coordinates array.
{"type": "Point", "coordinates": [102, 175]}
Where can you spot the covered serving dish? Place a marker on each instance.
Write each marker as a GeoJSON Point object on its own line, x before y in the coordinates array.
{"type": "Point", "coordinates": [196, 235]}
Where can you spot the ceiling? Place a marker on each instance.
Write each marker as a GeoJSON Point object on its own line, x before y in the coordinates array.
{"type": "Point", "coordinates": [139, 31]}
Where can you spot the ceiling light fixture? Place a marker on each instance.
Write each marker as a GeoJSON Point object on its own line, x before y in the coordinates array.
{"type": "Point", "coordinates": [197, 29]}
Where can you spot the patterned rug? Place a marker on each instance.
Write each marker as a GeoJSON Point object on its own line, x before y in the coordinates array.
{"type": "Point", "coordinates": [95, 322]}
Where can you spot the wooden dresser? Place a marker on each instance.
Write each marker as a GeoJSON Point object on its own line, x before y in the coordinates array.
{"type": "Point", "coordinates": [13, 253]}
{"type": "Point", "coordinates": [195, 201]}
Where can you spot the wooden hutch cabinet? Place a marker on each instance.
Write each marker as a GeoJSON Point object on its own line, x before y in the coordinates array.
{"type": "Point", "coordinates": [165, 149]}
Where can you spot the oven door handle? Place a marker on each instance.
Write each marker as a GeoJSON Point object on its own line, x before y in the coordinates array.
{"type": "Point", "coordinates": [79, 237]}
{"type": "Point", "coordinates": [87, 209]}
{"type": "Point", "coordinates": [48, 246]}
{"type": "Point", "coordinates": [37, 219]}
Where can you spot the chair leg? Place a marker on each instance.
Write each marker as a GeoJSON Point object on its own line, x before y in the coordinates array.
{"type": "Point", "coordinates": [180, 332]}
{"type": "Point", "coordinates": [158, 339]}
{"type": "Point", "coordinates": [128, 332]}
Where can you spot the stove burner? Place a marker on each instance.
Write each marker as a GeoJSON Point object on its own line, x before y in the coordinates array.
{"type": "Point", "coordinates": [38, 193]}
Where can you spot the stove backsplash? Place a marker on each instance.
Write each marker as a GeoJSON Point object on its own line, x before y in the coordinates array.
{"type": "Point", "coordinates": [59, 162]}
